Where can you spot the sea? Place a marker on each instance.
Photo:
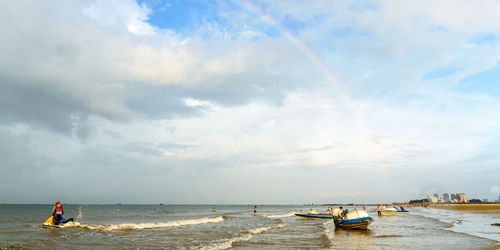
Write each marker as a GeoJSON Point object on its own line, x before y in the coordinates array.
{"type": "Point", "coordinates": [236, 226]}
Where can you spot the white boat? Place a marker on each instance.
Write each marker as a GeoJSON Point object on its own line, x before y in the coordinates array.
{"type": "Point", "coordinates": [392, 211]}
{"type": "Point", "coordinates": [353, 220]}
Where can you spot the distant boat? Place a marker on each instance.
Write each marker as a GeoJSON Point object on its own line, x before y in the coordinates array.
{"type": "Point", "coordinates": [353, 220]}
{"type": "Point", "coordinates": [392, 211]}
{"type": "Point", "coordinates": [312, 214]}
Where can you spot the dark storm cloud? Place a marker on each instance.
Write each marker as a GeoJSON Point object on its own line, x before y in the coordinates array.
{"type": "Point", "coordinates": [51, 73]}
{"type": "Point", "coordinates": [162, 102]}
{"type": "Point", "coordinates": [59, 67]}
{"type": "Point", "coordinates": [41, 107]}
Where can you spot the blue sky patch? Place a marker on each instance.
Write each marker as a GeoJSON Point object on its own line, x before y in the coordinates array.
{"type": "Point", "coordinates": [487, 82]}
{"type": "Point", "coordinates": [439, 73]}
{"type": "Point", "coordinates": [178, 15]}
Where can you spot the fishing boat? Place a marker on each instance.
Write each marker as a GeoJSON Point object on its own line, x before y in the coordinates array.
{"type": "Point", "coordinates": [392, 211]}
{"type": "Point", "coordinates": [353, 220]}
{"type": "Point", "coordinates": [313, 214]}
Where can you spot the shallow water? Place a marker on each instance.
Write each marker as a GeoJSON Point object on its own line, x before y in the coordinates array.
{"type": "Point", "coordinates": [234, 226]}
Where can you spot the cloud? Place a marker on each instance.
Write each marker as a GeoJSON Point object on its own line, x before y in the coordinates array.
{"type": "Point", "coordinates": [121, 13]}
{"type": "Point", "coordinates": [83, 59]}
{"type": "Point", "coordinates": [495, 189]}
{"type": "Point", "coordinates": [219, 108]}
{"type": "Point", "coordinates": [336, 195]}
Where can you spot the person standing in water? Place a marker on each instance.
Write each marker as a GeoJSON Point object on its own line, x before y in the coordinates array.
{"type": "Point", "coordinates": [57, 213]}
{"type": "Point", "coordinates": [254, 210]}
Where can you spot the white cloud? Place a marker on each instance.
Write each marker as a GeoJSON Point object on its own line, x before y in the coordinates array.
{"type": "Point", "coordinates": [121, 13]}
{"type": "Point", "coordinates": [348, 194]}
{"type": "Point", "coordinates": [251, 107]}
{"type": "Point", "coordinates": [458, 16]}
{"type": "Point", "coordinates": [495, 189]}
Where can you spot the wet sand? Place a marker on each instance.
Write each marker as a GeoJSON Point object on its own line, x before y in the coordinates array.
{"type": "Point", "coordinates": [493, 209]}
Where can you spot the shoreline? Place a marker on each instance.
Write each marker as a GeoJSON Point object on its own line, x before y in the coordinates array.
{"type": "Point", "coordinates": [491, 209]}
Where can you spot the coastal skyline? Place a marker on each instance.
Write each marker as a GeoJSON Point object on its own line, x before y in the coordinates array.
{"type": "Point", "coordinates": [248, 102]}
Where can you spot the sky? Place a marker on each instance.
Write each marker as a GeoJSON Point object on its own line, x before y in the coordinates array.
{"type": "Point", "coordinates": [248, 101]}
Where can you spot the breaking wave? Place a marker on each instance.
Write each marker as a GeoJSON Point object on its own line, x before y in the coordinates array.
{"type": "Point", "coordinates": [145, 225]}
{"type": "Point", "coordinates": [326, 230]}
{"type": "Point", "coordinates": [247, 235]}
{"type": "Point", "coordinates": [275, 216]}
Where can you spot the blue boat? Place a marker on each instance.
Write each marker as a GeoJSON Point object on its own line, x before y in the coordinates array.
{"type": "Point", "coordinates": [312, 214]}
{"type": "Point", "coordinates": [353, 220]}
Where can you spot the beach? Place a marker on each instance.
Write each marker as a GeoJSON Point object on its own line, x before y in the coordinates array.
{"type": "Point", "coordinates": [236, 226]}
{"type": "Point", "coordinates": [493, 208]}
{"type": "Point", "coordinates": [481, 220]}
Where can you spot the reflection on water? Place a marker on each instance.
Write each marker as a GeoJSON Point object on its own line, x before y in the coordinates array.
{"type": "Point", "coordinates": [54, 232]}
{"type": "Point", "coordinates": [352, 238]}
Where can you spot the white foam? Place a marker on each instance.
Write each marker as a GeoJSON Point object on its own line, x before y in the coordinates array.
{"type": "Point", "coordinates": [276, 216]}
{"type": "Point", "coordinates": [145, 225]}
{"type": "Point", "coordinates": [245, 237]}
{"type": "Point", "coordinates": [80, 215]}
{"type": "Point", "coordinates": [326, 229]}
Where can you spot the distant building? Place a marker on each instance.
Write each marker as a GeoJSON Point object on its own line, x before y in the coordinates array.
{"type": "Point", "coordinates": [462, 197]}
{"type": "Point", "coordinates": [436, 195]}
{"type": "Point", "coordinates": [446, 197]}
{"type": "Point", "coordinates": [498, 198]}
{"type": "Point", "coordinates": [453, 197]}
{"type": "Point", "coordinates": [432, 199]}
{"type": "Point", "coordinates": [485, 200]}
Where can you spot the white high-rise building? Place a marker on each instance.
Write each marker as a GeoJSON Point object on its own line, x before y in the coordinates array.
{"type": "Point", "coordinates": [446, 197]}
{"type": "Point", "coordinates": [432, 199]}
{"type": "Point", "coordinates": [462, 197]}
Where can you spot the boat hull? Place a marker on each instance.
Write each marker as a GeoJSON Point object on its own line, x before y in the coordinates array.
{"type": "Point", "coordinates": [360, 223]}
{"type": "Point", "coordinates": [394, 213]}
{"type": "Point", "coordinates": [51, 226]}
{"type": "Point", "coordinates": [315, 216]}
{"type": "Point", "coordinates": [48, 223]}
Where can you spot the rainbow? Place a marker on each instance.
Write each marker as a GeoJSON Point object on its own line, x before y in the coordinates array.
{"type": "Point", "coordinates": [314, 57]}
{"type": "Point", "coordinates": [322, 64]}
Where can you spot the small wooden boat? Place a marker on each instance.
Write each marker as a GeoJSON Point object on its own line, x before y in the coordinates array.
{"type": "Point", "coordinates": [312, 214]}
{"type": "Point", "coordinates": [353, 220]}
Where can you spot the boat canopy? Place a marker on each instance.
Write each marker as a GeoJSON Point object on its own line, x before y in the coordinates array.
{"type": "Point", "coordinates": [312, 211]}
{"type": "Point", "coordinates": [389, 209]}
{"type": "Point", "coordinates": [356, 215]}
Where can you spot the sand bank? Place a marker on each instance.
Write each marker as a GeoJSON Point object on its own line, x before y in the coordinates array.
{"type": "Point", "coordinates": [473, 208]}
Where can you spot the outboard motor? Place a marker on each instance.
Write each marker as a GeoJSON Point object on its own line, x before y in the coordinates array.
{"type": "Point", "coordinates": [344, 213]}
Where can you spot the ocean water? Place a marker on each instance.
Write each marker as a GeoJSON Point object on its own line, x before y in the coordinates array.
{"type": "Point", "coordinates": [235, 226]}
